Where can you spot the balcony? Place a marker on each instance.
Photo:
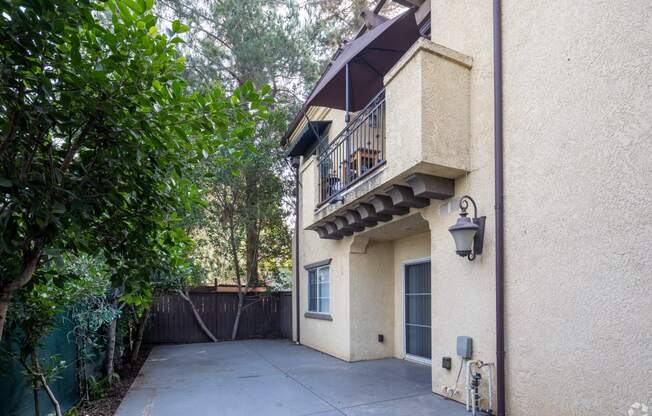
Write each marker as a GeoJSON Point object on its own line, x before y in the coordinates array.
{"type": "Point", "coordinates": [355, 153]}
{"type": "Point", "coordinates": [403, 149]}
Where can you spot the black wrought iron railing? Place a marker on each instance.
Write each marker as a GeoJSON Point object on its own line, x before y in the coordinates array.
{"type": "Point", "coordinates": [355, 152]}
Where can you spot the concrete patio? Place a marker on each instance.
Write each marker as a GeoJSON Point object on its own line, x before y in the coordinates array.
{"type": "Point", "coordinates": [275, 377]}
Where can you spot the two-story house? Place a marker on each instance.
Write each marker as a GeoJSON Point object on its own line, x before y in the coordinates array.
{"type": "Point", "coordinates": [541, 281]}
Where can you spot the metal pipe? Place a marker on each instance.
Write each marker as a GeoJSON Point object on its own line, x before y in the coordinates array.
{"type": "Point", "coordinates": [490, 383]}
{"type": "Point", "coordinates": [304, 108]}
{"type": "Point", "coordinates": [347, 117]}
{"type": "Point", "coordinates": [475, 403]}
{"type": "Point", "coordinates": [472, 402]}
{"type": "Point", "coordinates": [297, 286]}
{"type": "Point", "coordinates": [314, 130]}
{"type": "Point", "coordinates": [297, 266]}
{"type": "Point", "coordinates": [499, 194]}
{"type": "Point", "coordinates": [469, 387]}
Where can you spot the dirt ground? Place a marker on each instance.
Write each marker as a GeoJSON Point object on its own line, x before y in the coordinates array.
{"type": "Point", "coordinates": [107, 405]}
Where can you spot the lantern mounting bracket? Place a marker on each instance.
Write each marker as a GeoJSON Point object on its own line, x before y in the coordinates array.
{"type": "Point", "coordinates": [479, 221]}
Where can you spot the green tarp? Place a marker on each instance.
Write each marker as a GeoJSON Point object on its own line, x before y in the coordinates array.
{"type": "Point", "coordinates": [16, 395]}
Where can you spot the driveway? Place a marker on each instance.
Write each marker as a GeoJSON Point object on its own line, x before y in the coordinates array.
{"type": "Point", "coordinates": [276, 377]}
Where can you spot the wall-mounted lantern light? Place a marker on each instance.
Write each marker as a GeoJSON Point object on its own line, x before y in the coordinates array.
{"type": "Point", "coordinates": [468, 233]}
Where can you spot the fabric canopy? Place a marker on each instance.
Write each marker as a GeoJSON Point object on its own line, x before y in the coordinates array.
{"type": "Point", "coordinates": [369, 58]}
{"type": "Point", "coordinates": [307, 138]}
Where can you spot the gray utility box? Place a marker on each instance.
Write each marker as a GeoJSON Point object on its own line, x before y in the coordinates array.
{"type": "Point", "coordinates": [464, 347]}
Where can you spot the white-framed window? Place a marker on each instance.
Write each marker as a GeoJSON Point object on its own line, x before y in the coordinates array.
{"type": "Point", "coordinates": [319, 290]}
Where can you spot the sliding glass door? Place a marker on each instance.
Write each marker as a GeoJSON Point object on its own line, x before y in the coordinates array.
{"type": "Point", "coordinates": [417, 311]}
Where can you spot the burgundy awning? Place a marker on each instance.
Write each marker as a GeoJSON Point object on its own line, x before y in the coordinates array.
{"type": "Point", "coordinates": [369, 58]}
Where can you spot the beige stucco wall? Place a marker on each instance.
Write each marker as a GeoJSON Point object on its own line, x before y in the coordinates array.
{"type": "Point", "coordinates": [578, 175]}
{"type": "Point", "coordinates": [336, 117]}
{"type": "Point", "coordinates": [463, 292]}
{"type": "Point", "coordinates": [366, 290]}
{"type": "Point", "coordinates": [331, 337]}
{"type": "Point", "coordinates": [578, 169]}
{"type": "Point", "coordinates": [427, 95]}
{"type": "Point", "coordinates": [371, 296]}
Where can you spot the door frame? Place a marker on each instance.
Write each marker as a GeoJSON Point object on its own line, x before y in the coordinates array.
{"type": "Point", "coordinates": [404, 266]}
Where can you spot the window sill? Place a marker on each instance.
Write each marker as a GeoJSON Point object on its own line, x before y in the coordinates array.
{"type": "Point", "coordinates": [317, 315]}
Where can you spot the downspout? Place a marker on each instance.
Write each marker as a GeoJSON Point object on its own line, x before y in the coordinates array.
{"type": "Point", "coordinates": [347, 98]}
{"type": "Point", "coordinates": [296, 161]}
{"type": "Point", "coordinates": [498, 175]}
{"type": "Point", "coordinates": [347, 119]}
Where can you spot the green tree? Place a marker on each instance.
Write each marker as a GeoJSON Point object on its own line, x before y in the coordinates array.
{"type": "Point", "coordinates": [158, 263]}
{"type": "Point", "coordinates": [55, 288]}
{"type": "Point", "coordinates": [244, 218]}
{"type": "Point", "coordinates": [94, 121]}
{"type": "Point", "coordinates": [264, 42]}
{"type": "Point", "coordinates": [88, 314]}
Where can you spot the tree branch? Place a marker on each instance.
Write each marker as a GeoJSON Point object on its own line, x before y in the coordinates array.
{"type": "Point", "coordinates": [31, 262]}
{"type": "Point", "coordinates": [252, 303]}
{"type": "Point", "coordinates": [200, 321]}
{"type": "Point", "coordinates": [37, 373]}
{"type": "Point", "coordinates": [11, 134]}
{"type": "Point", "coordinates": [76, 145]}
{"type": "Point", "coordinates": [193, 11]}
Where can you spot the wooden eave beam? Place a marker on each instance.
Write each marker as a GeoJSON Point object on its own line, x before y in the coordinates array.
{"type": "Point", "coordinates": [332, 232]}
{"type": "Point", "coordinates": [343, 226]}
{"type": "Point", "coordinates": [402, 196]}
{"type": "Point", "coordinates": [384, 205]}
{"type": "Point", "coordinates": [354, 220]}
{"type": "Point", "coordinates": [431, 187]}
{"type": "Point", "coordinates": [369, 215]}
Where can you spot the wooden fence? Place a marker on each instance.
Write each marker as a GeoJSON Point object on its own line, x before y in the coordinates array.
{"type": "Point", "coordinates": [285, 314]}
{"type": "Point", "coordinates": [172, 320]}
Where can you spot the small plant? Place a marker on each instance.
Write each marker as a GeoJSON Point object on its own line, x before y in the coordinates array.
{"type": "Point", "coordinates": [72, 412]}
{"type": "Point", "coordinates": [97, 389]}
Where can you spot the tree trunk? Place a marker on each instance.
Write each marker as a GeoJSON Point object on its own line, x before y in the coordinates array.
{"type": "Point", "coordinates": [45, 385]}
{"type": "Point", "coordinates": [236, 324]}
{"type": "Point", "coordinates": [7, 290]}
{"type": "Point", "coordinates": [37, 404]}
{"type": "Point", "coordinates": [251, 273]}
{"type": "Point", "coordinates": [130, 331]}
{"type": "Point", "coordinates": [186, 297]}
{"type": "Point", "coordinates": [110, 344]}
{"type": "Point", "coordinates": [251, 255]}
{"type": "Point", "coordinates": [139, 335]}
{"type": "Point", "coordinates": [82, 379]}
{"type": "Point", "coordinates": [55, 403]}
{"type": "Point", "coordinates": [238, 275]}
{"type": "Point", "coordinates": [5, 299]}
